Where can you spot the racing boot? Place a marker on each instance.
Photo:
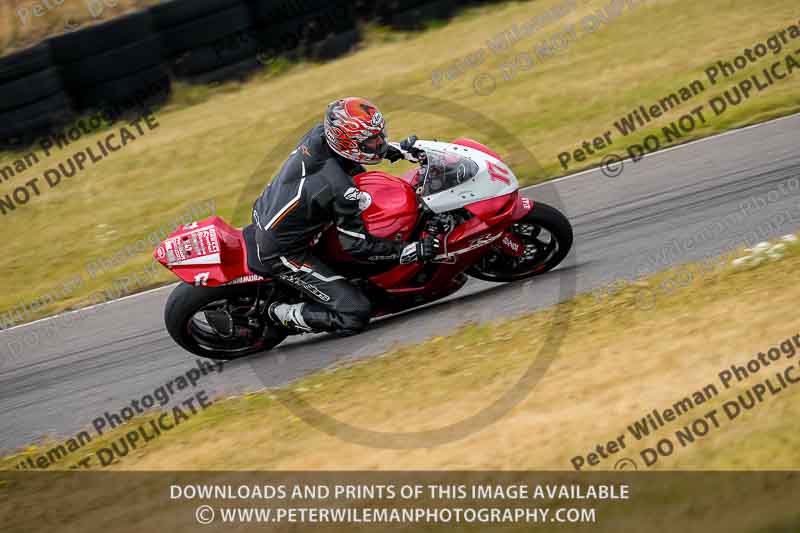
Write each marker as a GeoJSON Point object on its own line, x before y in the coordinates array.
{"type": "Point", "coordinates": [289, 316]}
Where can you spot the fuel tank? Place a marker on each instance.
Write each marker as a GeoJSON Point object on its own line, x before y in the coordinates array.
{"type": "Point", "coordinates": [389, 205]}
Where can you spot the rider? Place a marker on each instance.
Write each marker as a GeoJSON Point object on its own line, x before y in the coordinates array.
{"type": "Point", "coordinates": [313, 190]}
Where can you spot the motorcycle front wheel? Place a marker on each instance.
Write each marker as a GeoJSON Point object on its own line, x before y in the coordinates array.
{"type": "Point", "coordinates": [546, 235]}
{"type": "Point", "coordinates": [223, 323]}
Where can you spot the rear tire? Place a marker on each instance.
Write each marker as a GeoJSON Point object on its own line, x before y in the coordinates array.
{"type": "Point", "coordinates": [206, 30]}
{"type": "Point", "coordinates": [186, 302]}
{"type": "Point", "coordinates": [335, 45]}
{"type": "Point", "coordinates": [134, 91]}
{"type": "Point", "coordinates": [112, 64]}
{"type": "Point", "coordinates": [25, 62]}
{"type": "Point", "coordinates": [111, 34]}
{"type": "Point", "coordinates": [496, 266]}
{"type": "Point", "coordinates": [30, 89]}
{"type": "Point", "coordinates": [177, 12]}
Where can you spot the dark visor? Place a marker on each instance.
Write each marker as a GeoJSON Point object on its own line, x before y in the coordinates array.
{"type": "Point", "coordinates": [375, 144]}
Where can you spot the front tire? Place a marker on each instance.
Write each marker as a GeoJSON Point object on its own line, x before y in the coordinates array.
{"type": "Point", "coordinates": [222, 323]}
{"type": "Point", "coordinates": [547, 236]}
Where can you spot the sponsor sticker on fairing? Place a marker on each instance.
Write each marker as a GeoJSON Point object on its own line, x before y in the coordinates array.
{"type": "Point", "coordinates": [174, 250]}
{"type": "Point", "coordinates": [250, 278]}
{"type": "Point", "coordinates": [511, 243]}
{"type": "Point", "coordinates": [210, 237]}
{"type": "Point", "coordinates": [204, 241]}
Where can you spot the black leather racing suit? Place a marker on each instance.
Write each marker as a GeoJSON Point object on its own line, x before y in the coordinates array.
{"type": "Point", "coordinates": [314, 189]}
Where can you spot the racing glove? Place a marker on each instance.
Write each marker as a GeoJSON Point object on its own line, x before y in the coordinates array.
{"type": "Point", "coordinates": [408, 143]}
{"type": "Point", "coordinates": [420, 251]}
{"type": "Point", "coordinates": [402, 151]}
{"type": "Point", "coordinates": [439, 225]}
{"type": "Point", "coordinates": [393, 154]}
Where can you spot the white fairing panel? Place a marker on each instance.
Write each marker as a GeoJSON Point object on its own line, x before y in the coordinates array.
{"type": "Point", "coordinates": [493, 179]}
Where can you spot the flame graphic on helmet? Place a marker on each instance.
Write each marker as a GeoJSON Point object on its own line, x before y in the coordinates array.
{"type": "Point", "coordinates": [348, 123]}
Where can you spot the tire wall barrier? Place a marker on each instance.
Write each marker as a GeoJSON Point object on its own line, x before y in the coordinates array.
{"type": "Point", "coordinates": [127, 64]}
{"type": "Point", "coordinates": [32, 96]}
{"type": "Point", "coordinates": [111, 64]}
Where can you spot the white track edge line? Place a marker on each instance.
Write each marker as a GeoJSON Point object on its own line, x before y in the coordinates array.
{"type": "Point", "coordinates": [89, 308]}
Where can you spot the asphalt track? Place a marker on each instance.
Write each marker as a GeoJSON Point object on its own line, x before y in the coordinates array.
{"type": "Point", "coordinates": [102, 358]}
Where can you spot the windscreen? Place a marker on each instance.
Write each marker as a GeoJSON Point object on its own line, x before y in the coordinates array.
{"type": "Point", "coordinates": [445, 170]}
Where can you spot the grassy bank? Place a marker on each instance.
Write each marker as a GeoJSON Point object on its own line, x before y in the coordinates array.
{"type": "Point", "coordinates": [619, 360]}
{"type": "Point", "coordinates": [221, 142]}
{"type": "Point", "coordinates": [23, 24]}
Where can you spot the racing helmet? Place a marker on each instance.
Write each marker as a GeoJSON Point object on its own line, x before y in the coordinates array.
{"type": "Point", "coordinates": [356, 130]}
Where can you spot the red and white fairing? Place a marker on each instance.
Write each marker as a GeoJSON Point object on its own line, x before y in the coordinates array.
{"type": "Point", "coordinates": [207, 252]}
{"type": "Point", "coordinates": [493, 178]}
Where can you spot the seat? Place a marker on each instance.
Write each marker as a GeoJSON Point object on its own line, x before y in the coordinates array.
{"type": "Point", "coordinates": [255, 266]}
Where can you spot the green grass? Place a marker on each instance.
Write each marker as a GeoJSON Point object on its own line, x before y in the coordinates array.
{"type": "Point", "coordinates": [226, 141]}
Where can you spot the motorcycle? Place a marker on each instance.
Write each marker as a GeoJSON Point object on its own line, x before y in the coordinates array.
{"type": "Point", "coordinates": [461, 190]}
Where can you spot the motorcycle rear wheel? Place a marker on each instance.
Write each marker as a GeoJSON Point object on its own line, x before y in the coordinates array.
{"type": "Point", "coordinates": [221, 323]}
{"type": "Point", "coordinates": [547, 236]}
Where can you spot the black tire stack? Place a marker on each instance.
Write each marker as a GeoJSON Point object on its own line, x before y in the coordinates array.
{"type": "Point", "coordinates": [315, 29]}
{"type": "Point", "coordinates": [413, 14]}
{"type": "Point", "coordinates": [32, 97]}
{"type": "Point", "coordinates": [122, 66]}
{"type": "Point", "coordinates": [114, 66]}
{"type": "Point", "coordinates": [207, 40]}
